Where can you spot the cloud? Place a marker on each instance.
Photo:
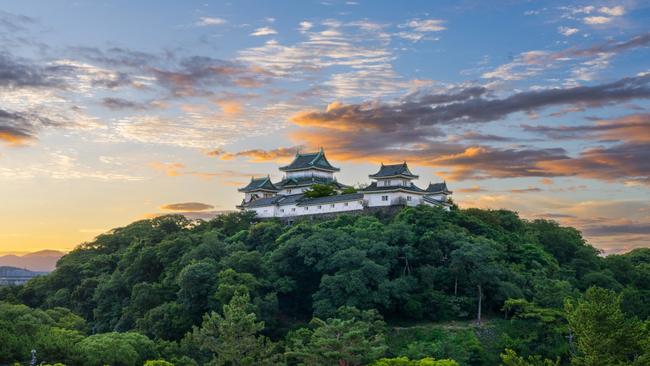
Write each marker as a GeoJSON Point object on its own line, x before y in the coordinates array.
{"type": "Point", "coordinates": [567, 31]}
{"type": "Point", "coordinates": [170, 169]}
{"type": "Point", "coordinates": [60, 165]}
{"type": "Point", "coordinates": [259, 155]}
{"type": "Point", "coordinates": [117, 56]}
{"type": "Point", "coordinates": [532, 63]}
{"type": "Point", "coordinates": [14, 136]}
{"type": "Point", "coordinates": [615, 11]}
{"type": "Point", "coordinates": [526, 190]}
{"type": "Point", "coordinates": [635, 127]}
{"type": "Point", "coordinates": [15, 22]}
{"type": "Point", "coordinates": [215, 152]}
{"type": "Point", "coordinates": [468, 105]}
{"type": "Point", "coordinates": [426, 25]}
{"type": "Point", "coordinates": [209, 21]}
{"type": "Point", "coordinates": [472, 189]}
{"type": "Point", "coordinates": [305, 26]}
{"type": "Point", "coordinates": [597, 20]}
{"type": "Point", "coordinates": [628, 161]}
{"type": "Point", "coordinates": [17, 128]}
{"type": "Point", "coordinates": [356, 53]}
{"type": "Point", "coordinates": [264, 31]}
{"type": "Point", "coordinates": [187, 206]}
{"type": "Point", "coordinates": [21, 73]}
{"type": "Point", "coordinates": [195, 75]}
{"type": "Point", "coordinates": [641, 40]}
{"type": "Point", "coordinates": [120, 104]}
{"type": "Point", "coordinates": [482, 137]}
{"type": "Point", "coordinates": [410, 129]}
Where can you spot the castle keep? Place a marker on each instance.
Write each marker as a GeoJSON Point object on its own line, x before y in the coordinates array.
{"type": "Point", "coordinates": [391, 186]}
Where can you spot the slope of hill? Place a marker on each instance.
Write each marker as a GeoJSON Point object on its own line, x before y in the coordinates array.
{"type": "Point", "coordinates": [157, 279]}
{"type": "Point", "coordinates": [41, 261]}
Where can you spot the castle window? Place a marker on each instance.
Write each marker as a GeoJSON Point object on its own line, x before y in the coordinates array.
{"type": "Point", "coordinates": [319, 207]}
{"type": "Point", "coordinates": [332, 205]}
{"type": "Point", "coordinates": [293, 209]}
{"type": "Point", "coordinates": [408, 198]}
{"type": "Point", "coordinates": [384, 198]}
{"type": "Point", "coordinates": [346, 204]}
{"type": "Point", "coordinates": [306, 208]}
{"type": "Point", "coordinates": [288, 191]}
{"type": "Point", "coordinates": [282, 210]}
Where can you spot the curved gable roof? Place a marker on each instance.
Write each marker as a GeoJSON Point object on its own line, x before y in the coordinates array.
{"type": "Point", "coordinates": [315, 160]}
{"type": "Point", "coordinates": [394, 170]}
{"type": "Point", "coordinates": [259, 184]}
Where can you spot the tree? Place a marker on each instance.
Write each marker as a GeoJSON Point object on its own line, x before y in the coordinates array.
{"type": "Point", "coordinates": [158, 363]}
{"type": "Point", "coordinates": [353, 338]}
{"type": "Point", "coordinates": [604, 335]}
{"type": "Point", "coordinates": [320, 190]}
{"type": "Point", "coordinates": [478, 260]}
{"type": "Point", "coordinates": [404, 361]}
{"type": "Point", "coordinates": [510, 358]}
{"type": "Point", "coordinates": [349, 190]}
{"type": "Point", "coordinates": [233, 338]}
{"type": "Point", "coordinates": [128, 349]}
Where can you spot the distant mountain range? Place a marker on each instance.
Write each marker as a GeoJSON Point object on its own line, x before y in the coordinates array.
{"type": "Point", "coordinates": [41, 261]}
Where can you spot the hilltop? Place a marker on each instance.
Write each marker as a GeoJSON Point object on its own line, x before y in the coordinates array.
{"type": "Point", "coordinates": [40, 261]}
{"type": "Point", "coordinates": [464, 284]}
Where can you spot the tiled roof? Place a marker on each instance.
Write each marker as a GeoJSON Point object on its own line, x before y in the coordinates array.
{"type": "Point", "coordinates": [393, 170]}
{"type": "Point", "coordinates": [259, 184]}
{"type": "Point", "coordinates": [330, 199]}
{"type": "Point", "coordinates": [436, 201]}
{"type": "Point", "coordinates": [306, 181]}
{"type": "Point", "coordinates": [301, 200]}
{"type": "Point", "coordinates": [409, 188]}
{"type": "Point", "coordinates": [276, 200]}
{"type": "Point", "coordinates": [437, 188]}
{"type": "Point", "coordinates": [315, 160]}
{"type": "Point", "coordinates": [268, 201]}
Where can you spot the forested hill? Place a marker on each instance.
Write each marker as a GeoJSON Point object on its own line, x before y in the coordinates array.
{"type": "Point", "coordinates": [426, 273]}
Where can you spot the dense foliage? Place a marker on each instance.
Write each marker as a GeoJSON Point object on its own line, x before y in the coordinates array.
{"type": "Point", "coordinates": [407, 289]}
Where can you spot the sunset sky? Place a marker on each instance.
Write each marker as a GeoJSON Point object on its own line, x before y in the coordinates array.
{"type": "Point", "coordinates": [113, 111]}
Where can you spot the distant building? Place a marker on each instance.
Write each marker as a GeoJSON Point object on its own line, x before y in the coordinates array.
{"type": "Point", "coordinates": [392, 186]}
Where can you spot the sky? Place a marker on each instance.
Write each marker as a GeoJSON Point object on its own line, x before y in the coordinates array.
{"type": "Point", "coordinates": [115, 111]}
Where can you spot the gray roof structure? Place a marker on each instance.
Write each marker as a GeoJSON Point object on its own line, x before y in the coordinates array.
{"type": "Point", "coordinates": [330, 199]}
{"type": "Point", "coordinates": [436, 201]}
{"type": "Point", "coordinates": [259, 184]}
{"type": "Point", "coordinates": [409, 188]}
{"type": "Point", "coordinates": [315, 160]}
{"type": "Point", "coordinates": [307, 181]}
{"type": "Point", "coordinates": [438, 188]}
{"type": "Point", "coordinates": [394, 170]}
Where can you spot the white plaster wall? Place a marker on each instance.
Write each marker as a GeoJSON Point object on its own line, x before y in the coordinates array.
{"type": "Point", "coordinates": [392, 182]}
{"type": "Point", "coordinates": [310, 173]}
{"type": "Point", "coordinates": [293, 210]}
{"type": "Point", "coordinates": [374, 199]}
{"type": "Point", "coordinates": [264, 211]}
{"type": "Point", "coordinates": [285, 192]}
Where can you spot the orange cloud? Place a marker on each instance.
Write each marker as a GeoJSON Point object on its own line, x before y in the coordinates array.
{"type": "Point", "coordinates": [259, 155]}
{"type": "Point", "coordinates": [187, 206]}
{"type": "Point", "coordinates": [13, 138]}
{"type": "Point", "coordinates": [170, 169]}
{"type": "Point", "coordinates": [230, 107]}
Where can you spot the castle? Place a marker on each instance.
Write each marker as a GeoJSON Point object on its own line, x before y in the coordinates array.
{"type": "Point", "coordinates": [392, 186]}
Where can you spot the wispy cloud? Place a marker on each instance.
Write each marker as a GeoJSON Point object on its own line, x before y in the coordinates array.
{"type": "Point", "coordinates": [187, 206]}
{"type": "Point", "coordinates": [264, 31]}
{"type": "Point", "coordinates": [209, 21]}
{"type": "Point", "coordinates": [567, 31]}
